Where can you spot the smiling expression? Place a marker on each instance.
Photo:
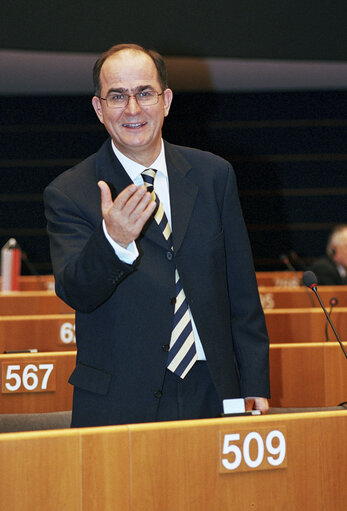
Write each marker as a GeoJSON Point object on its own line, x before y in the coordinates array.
{"type": "Point", "coordinates": [136, 131]}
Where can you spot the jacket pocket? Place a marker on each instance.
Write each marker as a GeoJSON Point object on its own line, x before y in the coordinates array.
{"type": "Point", "coordinates": [91, 379]}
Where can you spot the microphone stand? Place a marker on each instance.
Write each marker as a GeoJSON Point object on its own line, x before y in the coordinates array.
{"type": "Point", "coordinates": [314, 289]}
{"type": "Point", "coordinates": [333, 301]}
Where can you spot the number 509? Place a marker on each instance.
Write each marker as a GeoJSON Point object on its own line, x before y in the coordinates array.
{"type": "Point", "coordinates": [252, 450]}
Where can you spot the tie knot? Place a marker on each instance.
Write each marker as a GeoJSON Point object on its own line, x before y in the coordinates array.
{"type": "Point", "coordinates": [148, 176]}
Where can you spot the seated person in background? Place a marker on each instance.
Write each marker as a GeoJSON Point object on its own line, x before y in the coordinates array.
{"type": "Point", "coordinates": [331, 270]}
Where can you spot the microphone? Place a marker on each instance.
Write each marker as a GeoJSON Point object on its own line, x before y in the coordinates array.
{"type": "Point", "coordinates": [332, 302]}
{"type": "Point", "coordinates": [286, 261]}
{"type": "Point", "coordinates": [310, 280]}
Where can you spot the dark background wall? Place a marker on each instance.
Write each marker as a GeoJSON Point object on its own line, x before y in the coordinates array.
{"type": "Point", "coordinates": [306, 29]}
{"type": "Point", "coordinates": [288, 147]}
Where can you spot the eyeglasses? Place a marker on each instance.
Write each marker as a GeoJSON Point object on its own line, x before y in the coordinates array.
{"type": "Point", "coordinates": [121, 100]}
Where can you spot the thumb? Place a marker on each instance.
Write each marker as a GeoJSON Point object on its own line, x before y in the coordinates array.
{"type": "Point", "coordinates": [106, 197]}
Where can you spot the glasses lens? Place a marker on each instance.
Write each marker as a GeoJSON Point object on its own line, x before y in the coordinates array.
{"type": "Point", "coordinates": [143, 98]}
{"type": "Point", "coordinates": [147, 98]}
{"type": "Point", "coordinates": [117, 100]}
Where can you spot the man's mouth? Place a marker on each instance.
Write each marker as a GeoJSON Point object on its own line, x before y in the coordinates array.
{"type": "Point", "coordinates": [134, 125]}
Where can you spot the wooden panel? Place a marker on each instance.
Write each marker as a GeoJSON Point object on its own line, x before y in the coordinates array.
{"type": "Point", "coordinates": [106, 469]}
{"type": "Point", "coordinates": [175, 466]}
{"type": "Point", "coordinates": [31, 302]}
{"type": "Point", "coordinates": [35, 282]}
{"type": "Point", "coordinates": [40, 471]}
{"type": "Point", "coordinates": [307, 375]}
{"type": "Point", "coordinates": [44, 332]}
{"type": "Point", "coordinates": [279, 278]}
{"type": "Point", "coordinates": [302, 374]}
{"type": "Point", "coordinates": [281, 297]}
{"type": "Point", "coordinates": [42, 401]}
{"type": "Point", "coordinates": [304, 325]}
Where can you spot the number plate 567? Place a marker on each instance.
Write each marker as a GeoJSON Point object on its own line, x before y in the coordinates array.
{"type": "Point", "coordinates": [28, 377]}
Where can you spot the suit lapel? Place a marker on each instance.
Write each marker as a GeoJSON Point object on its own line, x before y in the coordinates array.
{"type": "Point", "coordinates": [110, 170]}
{"type": "Point", "coordinates": [182, 194]}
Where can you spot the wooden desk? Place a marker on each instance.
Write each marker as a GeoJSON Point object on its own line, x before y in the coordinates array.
{"type": "Point", "coordinates": [177, 466]}
{"type": "Point", "coordinates": [31, 302]}
{"type": "Point", "coordinates": [302, 375]}
{"type": "Point", "coordinates": [36, 382]}
{"type": "Point", "coordinates": [279, 278]}
{"type": "Point", "coordinates": [44, 332]}
{"type": "Point", "coordinates": [35, 283]}
{"type": "Point", "coordinates": [304, 325]}
{"type": "Point", "coordinates": [301, 297]}
{"type": "Point", "coordinates": [55, 332]}
{"type": "Point", "coordinates": [307, 375]}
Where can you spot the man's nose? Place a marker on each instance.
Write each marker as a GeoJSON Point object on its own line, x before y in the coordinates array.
{"type": "Point", "coordinates": [132, 106]}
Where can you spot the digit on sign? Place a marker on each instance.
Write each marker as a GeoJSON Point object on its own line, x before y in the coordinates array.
{"type": "Point", "coordinates": [280, 450]}
{"type": "Point", "coordinates": [49, 369]}
{"type": "Point", "coordinates": [228, 447]}
{"type": "Point", "coordinates": [253, 436]}
{"type": "Point", "coordinates": [10, 375]}
{"type": "Point", "coordinates": [30, 376]}
{"type": "Point", "coordinates": [67, 333]}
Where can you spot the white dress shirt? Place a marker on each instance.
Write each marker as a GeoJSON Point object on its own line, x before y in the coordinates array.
{"type": "Point", "coordinates": [161, 187]}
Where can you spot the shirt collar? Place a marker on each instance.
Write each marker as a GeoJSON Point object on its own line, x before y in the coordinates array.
{"type": "Point", "coordinates": [134, 169]}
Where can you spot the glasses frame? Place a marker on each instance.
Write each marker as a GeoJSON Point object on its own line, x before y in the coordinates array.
{"type": "Point", "coordinates": [133, 96]}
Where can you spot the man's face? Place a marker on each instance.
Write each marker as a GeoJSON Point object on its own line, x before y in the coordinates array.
{"type": "Point", "coordinates": [340, 256]}
{"type": "Point", "coordinates": [136, 131]}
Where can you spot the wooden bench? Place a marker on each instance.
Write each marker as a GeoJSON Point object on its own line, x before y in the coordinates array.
{"type": "Point", "coordinates": [285, 462]}
{"type": "Point", "coordinates": [304, 325]}
{"type": "Point", "coordinates": [307, 374]}
{"type": "Point", "coordinates": [45, 332]}
{"type": "Point", "coordinates": [31, 302]}
{"type": "Point", "coordinates": [296, 297]}
{"type": "Point", "coordinates": [56, 332]}
{"type": "Point", "coordinates": [279, 278]}
{"type": "Point", "coordinates": [302, 375]}
{"type": "Point", "coordinates": [35, 282]}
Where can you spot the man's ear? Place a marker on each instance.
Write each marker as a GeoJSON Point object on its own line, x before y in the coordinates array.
{"type": "Point", "coordinates": [168, 95]}
{"type": "Point", "coordinates": [97, 107]}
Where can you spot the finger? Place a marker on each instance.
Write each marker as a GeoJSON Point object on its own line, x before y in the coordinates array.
{"type": "Point", "coordinates": [136, 203]}
{"type": "Point", "coordinates": [128, 194]}
{"type": "Point", "coordinates": [106, 197]}
{"type": "Point", "coordinates": [249, 403]}
{"type": "Point", "coordinates": [142, 213]}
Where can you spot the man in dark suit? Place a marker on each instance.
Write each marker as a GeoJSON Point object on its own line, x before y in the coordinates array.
{"type": "Point", "coordinates": [331, 270]}
{"type": "Point", "coordinates": [117, 267]}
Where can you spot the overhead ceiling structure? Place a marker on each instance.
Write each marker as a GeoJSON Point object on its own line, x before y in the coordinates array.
{"type": "Point", "coordinates": [209, 45]}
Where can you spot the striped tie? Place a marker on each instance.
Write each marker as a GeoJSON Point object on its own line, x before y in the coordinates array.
{"type": "Point", "coordinates": [182, 354]}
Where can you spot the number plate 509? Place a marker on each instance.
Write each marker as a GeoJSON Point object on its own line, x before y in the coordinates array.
{"type": "Point", "coordinates": [263, 449]}
{"type": "Point", "coordinates": [24, 377]}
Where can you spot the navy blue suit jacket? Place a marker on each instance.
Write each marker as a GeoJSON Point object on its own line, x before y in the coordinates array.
{"type": "Point", "coordinates": [124, 313]}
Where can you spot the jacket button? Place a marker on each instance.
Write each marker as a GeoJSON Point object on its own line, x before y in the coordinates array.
{"type": "Point", "coordinates": [166, 347]}
{"type": "Point", "coordinates": [173, 300]}
{"type": "Point", "coordinates": [158, 394]}
{"type": "Point", "coordinates": [169, 256]}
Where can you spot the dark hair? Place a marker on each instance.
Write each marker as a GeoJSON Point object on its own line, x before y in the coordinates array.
{"type": "Point", "coordinates": [156, 57]}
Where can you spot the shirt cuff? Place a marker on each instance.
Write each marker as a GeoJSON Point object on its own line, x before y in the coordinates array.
{"type": "Point", "coordinates": [126, 255]}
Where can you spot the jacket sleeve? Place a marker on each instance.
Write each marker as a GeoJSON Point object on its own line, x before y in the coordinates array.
{"type": "Point", "coordinates": [85, 266]}
{"type": "Point", "coordinates": [249, 331]}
